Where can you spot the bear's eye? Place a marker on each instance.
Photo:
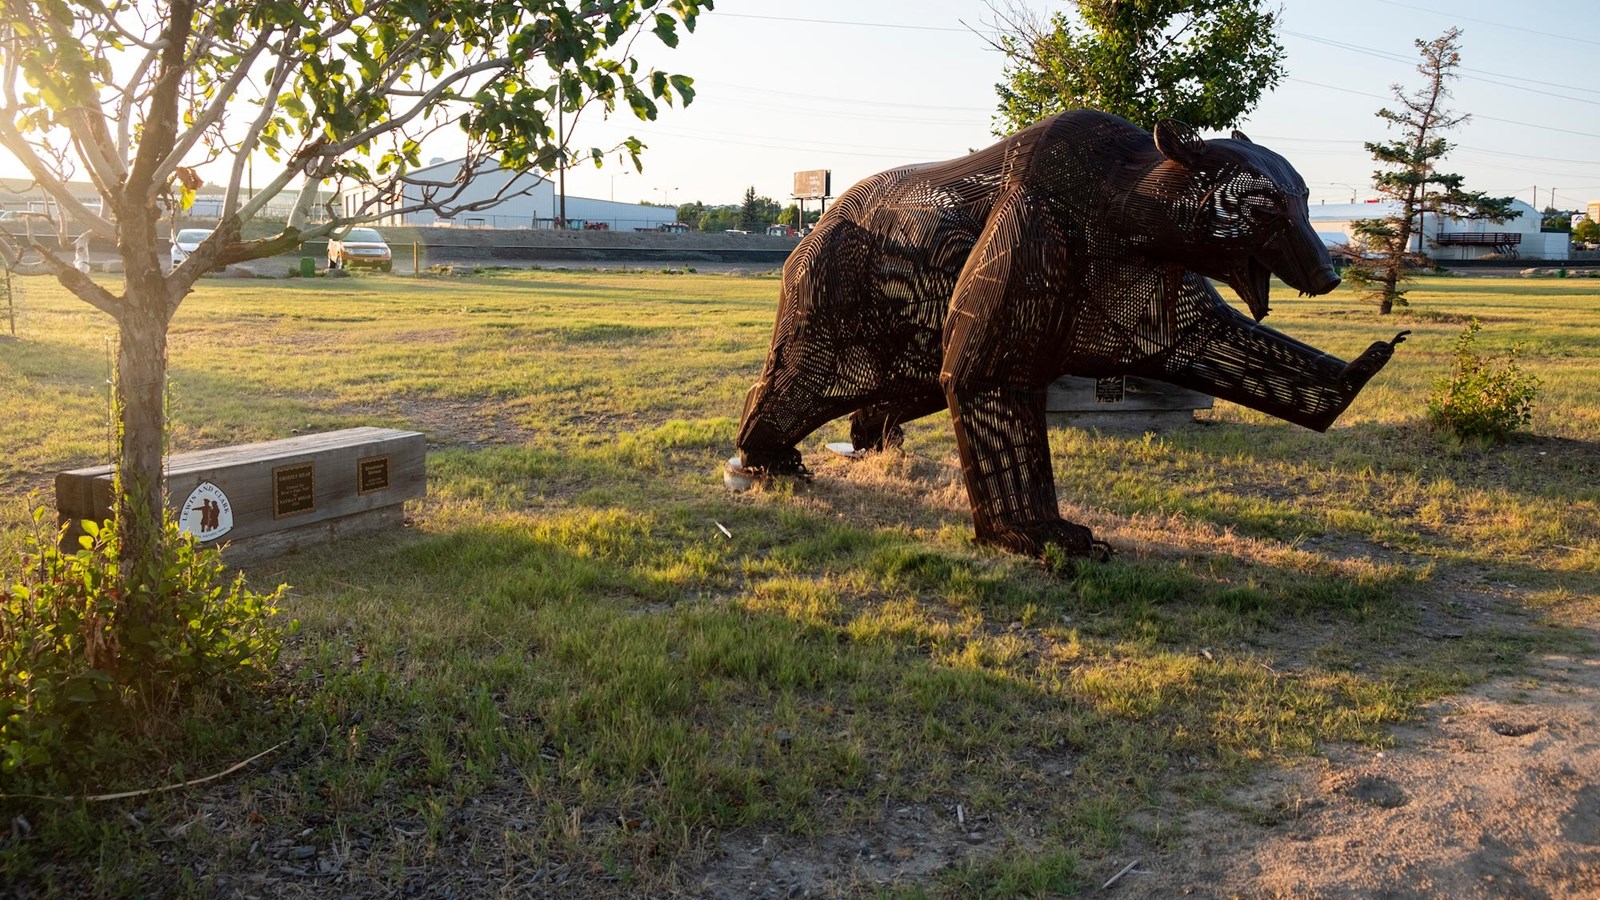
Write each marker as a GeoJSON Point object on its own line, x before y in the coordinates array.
{"type": "Point", "coordinates": [1262, 205]}
{"type": "Point", "coordinates": [1228, 206]}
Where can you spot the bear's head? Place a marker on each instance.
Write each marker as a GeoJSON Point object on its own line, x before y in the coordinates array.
{"type": "Point", "coordinates": [1234, 211]}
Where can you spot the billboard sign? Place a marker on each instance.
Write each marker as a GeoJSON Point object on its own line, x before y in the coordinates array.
{"type": "Point", "coordinates": [816, 184]}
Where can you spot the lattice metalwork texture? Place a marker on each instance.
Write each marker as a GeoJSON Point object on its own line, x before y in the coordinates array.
{"type": "Point", "coordinates": [1079, 246]}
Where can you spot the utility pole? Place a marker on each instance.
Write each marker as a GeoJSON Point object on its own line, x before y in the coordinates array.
{"type": "Point", "coordinates": [561, 139]}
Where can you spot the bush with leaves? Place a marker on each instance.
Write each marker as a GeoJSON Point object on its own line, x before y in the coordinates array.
{"type": "Point", "coordinates": [1483, 398]}
{"type": "Point", "coordinates": [79, 661]}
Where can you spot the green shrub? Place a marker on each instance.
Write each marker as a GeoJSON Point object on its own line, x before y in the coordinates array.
{"type": "Point", "coordinates": [79, 661]}
{"type": "Point", "coordinates": [1484, 398]}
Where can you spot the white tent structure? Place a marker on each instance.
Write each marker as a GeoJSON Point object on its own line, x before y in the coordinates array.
{"type": "Point", "coordinates": [1449, 238]}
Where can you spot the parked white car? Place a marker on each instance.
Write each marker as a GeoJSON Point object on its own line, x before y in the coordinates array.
{"type": "Point", "coordinates": [185, 242]}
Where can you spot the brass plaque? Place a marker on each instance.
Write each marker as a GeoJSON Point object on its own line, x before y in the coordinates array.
{"type": "Point", "coordinates": [294, 490]}
{"type": "Point", "coordinates": [372, 474]}
{"type": "Point", "coordinates": [1110, 390]}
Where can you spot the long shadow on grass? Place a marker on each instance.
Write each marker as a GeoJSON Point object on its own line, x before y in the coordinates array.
{"type": "Point", "coordinates": [611, 688]}
{"type": "Point", "coordinates": [591, 690]}
{"type": "Point", "coordinates": [1397, 485]}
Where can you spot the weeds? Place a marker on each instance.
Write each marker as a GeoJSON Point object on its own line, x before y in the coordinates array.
{"type": "Point", "coordinates": [1483, 398]}
{"type": "Point", "coordinates": [79, 661]}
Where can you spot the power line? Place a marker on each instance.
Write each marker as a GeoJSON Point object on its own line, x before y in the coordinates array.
{"type": "Point", "coordinates": [863, 116]}
{"type": "Point", "coordinates": [896, 153]}
{"type": "Point", "coordinates": [1334, 87]}
{"type": "Point", "coordinates": [901, 26]}
{"type": "Point", "coordinates": [1456, 15]}
{"type": "Point", "coordinates": [1581, 162]}
{"type": "Point", "coordinates": [1464, 71]}
{"type": "Point", "coordinates": [851, 100]}
{"type": "Point", "coordinates": [1531, 125]}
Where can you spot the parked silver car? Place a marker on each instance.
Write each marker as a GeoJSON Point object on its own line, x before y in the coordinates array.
{"type": "Point", "coordinates": [360, 248]}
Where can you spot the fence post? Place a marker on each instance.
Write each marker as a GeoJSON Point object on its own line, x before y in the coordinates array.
{"type": "Point", "coordinates": [415, 267]}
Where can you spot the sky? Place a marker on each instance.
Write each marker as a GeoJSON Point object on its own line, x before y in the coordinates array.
{"type": "Point", "coordinates": [859, 87]}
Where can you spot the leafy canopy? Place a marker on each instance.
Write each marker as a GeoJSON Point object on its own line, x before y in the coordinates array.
{"type": "Point", "coordinates": [138, 96]}
{"type": "Point", "coordinates": [1204, 62]}
{"type": "Point", "coordinates": [141, 96]}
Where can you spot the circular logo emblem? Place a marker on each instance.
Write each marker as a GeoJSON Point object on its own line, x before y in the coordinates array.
{"type": "Point", "coordinates": [207, 514]}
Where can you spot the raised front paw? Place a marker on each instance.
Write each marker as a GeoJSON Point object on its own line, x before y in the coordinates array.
{"type": "Point", "coordinates": [1032, 539]}
{"type": "Point", "coordinates": [1368, 364]}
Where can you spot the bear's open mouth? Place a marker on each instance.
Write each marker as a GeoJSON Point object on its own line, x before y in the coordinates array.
{"type": "Point", "coordinates": [1253, 283]}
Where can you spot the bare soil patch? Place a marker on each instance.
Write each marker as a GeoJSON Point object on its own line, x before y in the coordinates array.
{"type": "Point", "coordinates": [1495, 793]}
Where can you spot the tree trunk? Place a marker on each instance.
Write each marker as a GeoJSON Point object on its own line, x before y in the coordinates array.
{"type": "Point", "coordinates": [1391, 287]}
{"type": "Point", "coordinates": [141, 400]}
{"type": "Point", "coordinates": [141, 382]}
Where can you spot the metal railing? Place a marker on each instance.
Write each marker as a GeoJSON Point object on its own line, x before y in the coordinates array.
{"type": "Point", "coordinates": [1479, 238]}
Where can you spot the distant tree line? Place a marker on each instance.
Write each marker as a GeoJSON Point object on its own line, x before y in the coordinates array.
{"type": "Point", "coordinates": [754, 214]}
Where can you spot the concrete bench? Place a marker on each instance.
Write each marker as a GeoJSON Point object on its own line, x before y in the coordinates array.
{"type": "Point", "coordinates": [1124, 402]}
{"type": "Point", "coordinates": [264, 499]}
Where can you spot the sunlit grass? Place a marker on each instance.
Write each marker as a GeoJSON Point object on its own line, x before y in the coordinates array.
{"type": "Point", "coordinates": [566, 664]}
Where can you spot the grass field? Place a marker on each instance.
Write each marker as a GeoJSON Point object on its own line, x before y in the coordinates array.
{"type": "Point", "coordinates": [565, 678]}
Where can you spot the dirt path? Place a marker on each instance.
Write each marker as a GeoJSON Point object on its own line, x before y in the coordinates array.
{"type": "Point", "coordinates": [1494, 794]}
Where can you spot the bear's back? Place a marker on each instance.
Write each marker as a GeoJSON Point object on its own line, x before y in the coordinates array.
{"type": "Point", "coordinates": [1065, 160]}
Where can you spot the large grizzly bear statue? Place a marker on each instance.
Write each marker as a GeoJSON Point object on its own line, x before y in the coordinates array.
{"type": "Point", "coordinates": [1079, 246]}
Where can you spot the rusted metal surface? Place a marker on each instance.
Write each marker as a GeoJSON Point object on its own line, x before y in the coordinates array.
{"type": "Point", "coordinates": [1079, 246]}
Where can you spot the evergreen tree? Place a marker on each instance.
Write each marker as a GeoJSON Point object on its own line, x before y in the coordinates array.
{"type": "Point", "coordinates": [1410, 177]}
{"type": "Point", "coordinates": [1204, 62]}
{"type": "Point", "coordinates": [750, 212]}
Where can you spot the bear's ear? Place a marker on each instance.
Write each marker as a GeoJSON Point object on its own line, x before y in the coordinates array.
{"type": "Point", "coordinates": [1179, 142]}
{"type": "Point", "coordinates": [1240, 137]}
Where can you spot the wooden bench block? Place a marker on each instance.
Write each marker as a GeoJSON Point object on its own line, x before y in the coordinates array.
{"type": "Point", "coordinates": [1123, 402]}
{"type": "Point", "coordinates": [266, 498]}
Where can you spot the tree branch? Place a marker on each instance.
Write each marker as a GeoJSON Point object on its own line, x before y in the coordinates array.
{"type": "Point", "coordinates": [82, 286]}
{"type": "Point", "coordinates": [209, 117]}
{"type": "Point", "coordinates": [57, 188]}
{"type": "Point", "coordinates": [160, 128]}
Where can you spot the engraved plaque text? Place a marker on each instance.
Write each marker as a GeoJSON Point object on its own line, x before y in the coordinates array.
{"type": "Point", "coordinates": [294, 490]}
{"type": "Point", "coordinates": [1109, 390]}
{"type": "Point", "coordinates": [372, 474]}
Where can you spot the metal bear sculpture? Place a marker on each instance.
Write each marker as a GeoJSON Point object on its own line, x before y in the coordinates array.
{"type": "Point", "coordinates": [1079, 246]}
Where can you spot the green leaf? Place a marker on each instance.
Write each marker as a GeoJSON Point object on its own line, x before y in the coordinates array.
{"type": "Point", "coordinates": [666, 29]}
{"type": "Point", "coordinates": [684, 86]}
{"type": "Point", "coordinates": [641, 105]}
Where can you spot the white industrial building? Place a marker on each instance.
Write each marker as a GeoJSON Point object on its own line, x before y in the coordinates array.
{"type": "Point", "coordinates": [1447, 238]}
{"type": "Point", "coordinates": [527, 200]}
